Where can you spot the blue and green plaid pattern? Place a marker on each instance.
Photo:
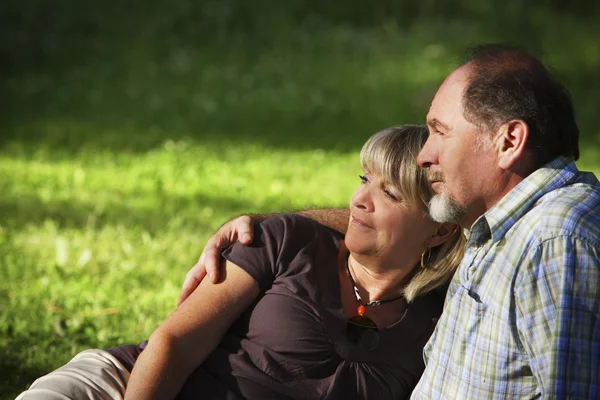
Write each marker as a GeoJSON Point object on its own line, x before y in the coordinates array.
{"type": "Point", "coordinates": [522, 315]}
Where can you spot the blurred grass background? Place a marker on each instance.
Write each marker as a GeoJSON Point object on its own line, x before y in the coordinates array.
{"type": "Point", "coordinates": [131, 130]}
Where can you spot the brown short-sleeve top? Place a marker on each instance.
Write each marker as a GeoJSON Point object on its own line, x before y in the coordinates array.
{"type": "Point", "coordinates": [291, 343]}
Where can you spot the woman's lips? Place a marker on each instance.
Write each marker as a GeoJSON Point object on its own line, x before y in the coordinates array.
{"type": "Point", "coordinates": [359, 222]}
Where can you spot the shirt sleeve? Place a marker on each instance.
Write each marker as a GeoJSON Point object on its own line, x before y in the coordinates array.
{"type": "Point", "coordinates": [278, 240]}
{"type": "Point", "coordinates": [557, 300]}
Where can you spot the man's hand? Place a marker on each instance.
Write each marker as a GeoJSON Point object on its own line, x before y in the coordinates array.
{"type": "Point", "coordinates": [238, 229]}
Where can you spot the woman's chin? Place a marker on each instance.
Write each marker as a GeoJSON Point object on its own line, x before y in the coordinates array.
{"type": "Point", "coordinates": [357, 246]}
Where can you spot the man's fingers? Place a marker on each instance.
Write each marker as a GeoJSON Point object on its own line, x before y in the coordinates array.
{"type": "Point", "coordinates": [201, 260]}
{"type": "Point", "coordinates": [192, 280]}
{"type": "Point", "coordinates": [212, 259]}
{"type": "Point", "coordinates": [246, 238]}
{"type": "Point", "coordinates": [238, 229]}
{"type": "Point", "coordinates": [245, 232]}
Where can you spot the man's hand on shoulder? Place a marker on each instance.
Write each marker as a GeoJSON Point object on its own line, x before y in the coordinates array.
{"type": "Point", "coordinates": [238, 229]}
{"type": "Point", "coordinates": [241, 229]}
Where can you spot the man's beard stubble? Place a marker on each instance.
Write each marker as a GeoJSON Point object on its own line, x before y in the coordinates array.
{"type": "Point", "coordinates": [442, 207]}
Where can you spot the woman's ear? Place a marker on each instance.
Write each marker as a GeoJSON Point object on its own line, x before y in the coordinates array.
{"type": "Point", "coordinates": [442, 234]}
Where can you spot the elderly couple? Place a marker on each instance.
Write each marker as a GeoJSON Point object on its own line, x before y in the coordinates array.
{"type": "Point", "coordinates": [388, 299]}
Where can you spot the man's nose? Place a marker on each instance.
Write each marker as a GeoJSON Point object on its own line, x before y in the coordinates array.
{"type": "Point", "coordinates": [426, 156]}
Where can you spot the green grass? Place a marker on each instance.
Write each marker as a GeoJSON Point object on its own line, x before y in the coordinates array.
{"type": "Point", "coordinates": [125, 145]}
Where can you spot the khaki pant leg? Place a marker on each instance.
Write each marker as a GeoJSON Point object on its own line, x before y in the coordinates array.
{"type": "Point", "coordinates": [91, 374]}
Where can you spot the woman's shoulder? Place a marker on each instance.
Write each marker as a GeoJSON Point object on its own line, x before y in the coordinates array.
{"type": "Point", "coordinates": [431, 304]}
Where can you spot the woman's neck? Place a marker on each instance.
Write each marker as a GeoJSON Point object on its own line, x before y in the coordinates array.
{"type": "Point", "coordinates": [377, 280]}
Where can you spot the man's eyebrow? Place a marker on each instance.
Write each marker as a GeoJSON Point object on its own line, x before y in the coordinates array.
{"type": "Point", "coordinates": [434, 123]}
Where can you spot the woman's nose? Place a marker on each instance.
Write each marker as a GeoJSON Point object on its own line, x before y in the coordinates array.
{"type": "Point", "coordinates": [362, 199]}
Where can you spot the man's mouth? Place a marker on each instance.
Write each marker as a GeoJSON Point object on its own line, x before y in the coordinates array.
{"type": "Point", "coordinates": [437, 186]}
{"type": "Point", "coordinates": [436, 180]}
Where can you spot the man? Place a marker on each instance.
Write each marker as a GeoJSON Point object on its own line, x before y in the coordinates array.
{"type": "Point", "coordinates": [522, 314]}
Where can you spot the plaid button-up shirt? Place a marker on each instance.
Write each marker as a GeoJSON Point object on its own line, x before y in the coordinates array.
{"type": "Point", "coordinates": [522, 314]}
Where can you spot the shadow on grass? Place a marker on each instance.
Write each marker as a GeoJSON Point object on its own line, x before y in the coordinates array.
{"type": "Point", "coordinates": [17, 374]}
{"type": "Point", "coordinates": [15, 377]}
{"type": "Point", "coordinates": [142, 80]}
{"type": "Point", "coordinates": [16, 369]}
{"type": "Point", "coordinates": [284, 74]}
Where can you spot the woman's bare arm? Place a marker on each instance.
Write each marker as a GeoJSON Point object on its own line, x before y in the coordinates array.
{"type": "Point", "coordinates": [188, 335]}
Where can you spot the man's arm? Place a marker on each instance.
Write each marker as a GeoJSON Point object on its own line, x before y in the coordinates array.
{"type": "Point", "coordinates": [336, 219]}
{"type": "Point", "coordinates": [557, 305]}
{"type": "Point", "coordinates": [241, 229]}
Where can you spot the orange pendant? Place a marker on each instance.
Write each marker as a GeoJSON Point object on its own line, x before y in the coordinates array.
{"type": "Point", "coordinates": [361, 310]}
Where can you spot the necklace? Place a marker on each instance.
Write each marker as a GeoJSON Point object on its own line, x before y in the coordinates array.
{"type": "Point", "coordinates": [361, 330]}
{"type": "Point", "coordinates": [362, 306]}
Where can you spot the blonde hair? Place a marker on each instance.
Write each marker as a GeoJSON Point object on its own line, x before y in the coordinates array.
{"type": "Point", "coordinates": [391, 155]}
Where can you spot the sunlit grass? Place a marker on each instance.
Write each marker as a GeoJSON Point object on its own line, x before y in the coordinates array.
{"type": "Point", "coordinates": [93, 249]}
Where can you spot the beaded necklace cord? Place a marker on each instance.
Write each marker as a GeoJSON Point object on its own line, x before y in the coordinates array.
{"type": "Point", "coordinates": [362, 306]}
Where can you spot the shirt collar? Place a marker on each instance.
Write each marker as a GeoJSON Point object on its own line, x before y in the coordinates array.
{"type": "Point", "coordinates": [506, 212]}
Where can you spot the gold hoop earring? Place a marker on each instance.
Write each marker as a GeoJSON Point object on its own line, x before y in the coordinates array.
{"type": "Point", "coordinates": [428, 251]}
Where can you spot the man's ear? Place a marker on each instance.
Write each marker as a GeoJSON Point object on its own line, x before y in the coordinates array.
{"type": "Point", "coordinates": [443, 233]}
{"type": "Point", "coordinates": [511, 141]}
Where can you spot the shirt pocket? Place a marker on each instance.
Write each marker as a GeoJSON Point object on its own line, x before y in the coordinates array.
{"type": "Point", "coordinates": [483, 345]}
{"type": "Point", "coordinates": [463, 342]}
{"type": "Point", "coordinates": [474, 324]}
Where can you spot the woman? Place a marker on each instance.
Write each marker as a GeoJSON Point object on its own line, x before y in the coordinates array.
{"type": "Point", "coordinates": [303, 312]}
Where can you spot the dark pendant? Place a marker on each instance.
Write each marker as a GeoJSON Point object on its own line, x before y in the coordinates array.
{"type": "Point", "coordinates": [363, 332]}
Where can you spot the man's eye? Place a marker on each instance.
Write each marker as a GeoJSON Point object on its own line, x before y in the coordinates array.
{"type": "Point", "coordinates": [363, 179]}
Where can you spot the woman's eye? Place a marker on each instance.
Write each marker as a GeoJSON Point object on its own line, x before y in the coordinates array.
{"type": "Point", "coordinates": [389, 194]}
{"type": "Point", "coordinates": [363, 178]}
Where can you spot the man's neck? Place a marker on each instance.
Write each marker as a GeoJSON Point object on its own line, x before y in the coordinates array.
{"type": "Point", "coordinates": [505, 183]}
